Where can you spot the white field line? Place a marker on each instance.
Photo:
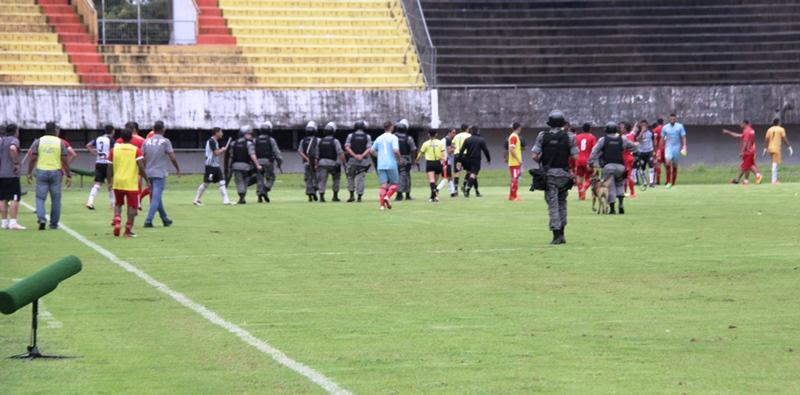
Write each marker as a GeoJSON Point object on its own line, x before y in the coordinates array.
{"type": "Point", "coordinates": [209, 315]}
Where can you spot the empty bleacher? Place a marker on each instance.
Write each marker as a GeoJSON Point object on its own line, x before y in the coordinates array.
{"type": "Point", "coordinates": [614, 43]}
{"type": "Point", "coordinates": [30, 48]}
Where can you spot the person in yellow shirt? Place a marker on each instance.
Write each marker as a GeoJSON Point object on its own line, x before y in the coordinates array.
{"type": "Point", "coordinates": [772, 143]}
{"type": "Point", "coordinates": [433, 149]}
{"type": "Point", "coordinates": [49, 156]}
{"type": "Point", "coordinates": [458, 141]}
{"type": "Point", "coordinates": [514, 160]}
{"type": "Point", "coordinates": [126, 164]}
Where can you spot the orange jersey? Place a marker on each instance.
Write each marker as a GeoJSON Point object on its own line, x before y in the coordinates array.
{"type": "Point", "coordinates": [136, 141]}
{"type": "Point", "coordinates": [657, 137]}
{"type": "Point", "coordinates": [627, 155]}
{"type": "Point", "coordinates": [748, 140]}
{"type": "Point", "coordinates": [586, 142]}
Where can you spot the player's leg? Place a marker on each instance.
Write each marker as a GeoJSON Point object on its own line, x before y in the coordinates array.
{"type": "Point", "coordinates": [133, 202]}
{"type": "Point", "coordinates": [776, 160]}
{"type": "Point", "coordinates": [99, 177]}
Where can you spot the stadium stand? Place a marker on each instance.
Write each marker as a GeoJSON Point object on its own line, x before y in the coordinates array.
{"type": "Point", "coordinates": [565, 43]}
{"type": "Point", "coordinates": [212, 29]}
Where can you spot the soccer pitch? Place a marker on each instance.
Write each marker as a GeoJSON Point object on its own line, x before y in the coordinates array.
{"type": "Point", "coordinates": [694, 290]}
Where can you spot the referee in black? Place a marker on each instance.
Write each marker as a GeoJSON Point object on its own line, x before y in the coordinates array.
{"type": "Point", "coordinates": [471, 157]}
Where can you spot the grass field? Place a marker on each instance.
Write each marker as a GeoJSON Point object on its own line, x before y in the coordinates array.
{"type": "Point", "coordinates": [694, 290]}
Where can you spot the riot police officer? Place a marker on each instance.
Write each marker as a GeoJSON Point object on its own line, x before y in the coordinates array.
{"type": "Point", "coordinates": [357, 146]}
{"type": "Point", "coordinates": [268, 155]}
{"type": "Point", "coordinates": [552, 151]}
{"type": "Point", "coordinates": [329, 151]}
{"type": "Point", "coordinates": [243, 160]}
{"type": "Point", "coordinates": [608, 154]}
{"type": "Point", "coordinates": [408, 150]}
{"type": "Point", "coordinates": [309, 150]}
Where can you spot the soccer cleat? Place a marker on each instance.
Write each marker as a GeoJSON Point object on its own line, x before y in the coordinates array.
{"type": "Point", "coordinates": [89, 206]}
{"type": "Point", "coordinates": [633, 196]}
{"type": "Point", "coordinates": [746, 182]}
{"type": "Point", "coordinates": [758, 178]}
{"type": "Point", "coordinates": [734, 181]}
{"type": "Point", "coordinates": [147, 225]}
{"type": "Point", "coordinates": [117, 228]}
{"type": "Point", "coordinates": [668, 186]}
{"type": "Point", "coordinates": [433, 199]}
{"type": "Point", "coordinates": [129, 234]}
{"type": "Point", "coordinates": [229, 203]}
{"type": "Point", "coordinates": [387, 202]}
{"type": "Point", "coordinates": [776, 182]}
{"type": "Point", "coordinates": [478, 194]}
{"type": "Point", "coordinates": [516, 199]}
{"type": "Point", "coordinates": [17, 227]}
{"type": "Point", "coordinates": [383, 208]}
{"type": "Point", "coordinates": [198, 203]}
{"type": "Point", "coordinates": [652, 185]}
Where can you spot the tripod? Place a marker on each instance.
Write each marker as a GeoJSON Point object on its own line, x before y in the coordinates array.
{"type": "Point", "coordinates": [33, 351]}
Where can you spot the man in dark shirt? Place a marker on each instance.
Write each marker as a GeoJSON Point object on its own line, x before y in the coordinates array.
{"type": "Point", "coordinates": [471, 155]}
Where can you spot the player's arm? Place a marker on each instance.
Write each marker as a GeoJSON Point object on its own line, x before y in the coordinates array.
{"type": "Point", "coordinates": [486, 152]}
{"type": "Point", "coordinates": [732, 134]}
{"type": "Point", "coordinates": [90, 147]}
{"type": "Point", "coordinates": [786, 141]}
{"type": "Point", "coordinates": [142, 172]}
{"type": "Point", "coordinates": [397, 156]}
{"type": "Point", "coordinates": [71, 155]}
{"type": "Point", "coordinates": [422, 150]}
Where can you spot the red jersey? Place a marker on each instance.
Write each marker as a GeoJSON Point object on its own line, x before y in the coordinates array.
{"type": "Point", "coordinates": [586, 142]}
{"type": "Point", "coordinates": [748, 140]}
{"type": "Point", "coordinates": [627, 155]}
{"type": "Point", "coordinates": [136, 140]}
{"type": "Point", "coordinates": [657, 137]}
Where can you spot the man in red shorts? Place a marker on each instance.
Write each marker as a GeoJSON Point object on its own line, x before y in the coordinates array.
{"type": "Point", "coordinates": [125, 167]}
{"type": "Point", "coordinates": [659, 159]}
{"type": "Point", "coordinates": [583, 170]}
{"type": "Point", "coordinates": [748, 152]}
{"type": "Point", "coordinates": [626, 131]}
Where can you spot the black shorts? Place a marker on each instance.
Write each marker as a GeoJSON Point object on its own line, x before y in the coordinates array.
{"type": "Point", "coordinates": [100, 172]}
{"type": "Point", "coordinates": [213, 175]}
{"type": "Point", "coordinates": [645, 158]}
{"type": "Point", "coordinates": [474, 167]}
{"type": "Point", "coordinates": [433, 166]}
{"type": "Point", "coordinates": [10, 189]}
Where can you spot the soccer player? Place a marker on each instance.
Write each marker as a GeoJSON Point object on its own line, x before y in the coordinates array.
{"type": "Point", "coordinates": [747, 152]}
{"type": "Point", "coordinates": [626, 132]}
{"type": "Point", "coordinates": [125, 167]}
{"type": "Point", "coordinates": [100, 148]}
{"type": "Point", "coordinates": [458, 141]}
{"type": "Point", "coordinates": [433, 149]}
{"type": "Point", "coordinates": [673, 142]}
{"type": "Point", "coordinates": [646, 148]}
{"type": "Point", "coordinates": [514, 160]}
{"type": "Point", "coordinates": [772, 143]}
{"type": "Point", "coordinates": [213, 174]}
{"type": "Point", "coordinates": [49, 156]}
{"type": "Point", "coordinates": [137, 141]}
{"type": "Point", "coordinates": [387, 149]}
{"type": "Point", "coordinates": [470, 154]}
{"type": "Point", "coordinates": [156, 150]}
{"type": "Point", "coordinates": [10, 189]}
{"type": "Point", "coordinates": [583, 170]}
{"type": "Point", "coordinates": [659, 161]}
{"type": "Point", "coordinates": [449, 166]}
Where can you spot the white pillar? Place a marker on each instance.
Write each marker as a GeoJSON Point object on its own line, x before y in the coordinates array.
{"type": "Point", "coordinates": [435, 121]}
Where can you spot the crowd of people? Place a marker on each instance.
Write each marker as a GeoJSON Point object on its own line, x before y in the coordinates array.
{"type": "Point", "coordinates": [135, 167]}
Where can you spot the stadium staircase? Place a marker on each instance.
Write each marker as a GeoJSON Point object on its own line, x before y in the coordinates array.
{"type": "Point", "coordinates": [48, 45]}
{"type": "Point", "coordinates": [565, 43]}
{"type": "Point", "coordinates": [212, 29]}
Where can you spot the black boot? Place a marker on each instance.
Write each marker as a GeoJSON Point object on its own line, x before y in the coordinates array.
{"type": "Point", "coordinates": [309, 197]}
{"type": "Point", "coordinates": [613, 210]}
{"type": "Point", "coordinates": [561, 234]}
{"type": "Point", "coordinates": [260, 199]}
{"type": "Point", "coordinates": [359, 198]}
{"type": "Point", "coordinates": [399, 197]}
{"type": "Point", "coordinates": [314, 195]}
{"type": "Point", "coordinates": [241, 199]}
{"type": "Point", "coordinates": [352, 198]}
{"type": "Point", "coordinates": [335, 196]}
{"type": "Point", "coordinates": [621, 209]}
{"type": "Point", "coordinates": [556, 238]}
{"type": "Point", "coordinates": [266, 197]}
{"type": "Point", "coordinates": [408, 196]}
{"type": "Point", "coordinates": [322, 197]}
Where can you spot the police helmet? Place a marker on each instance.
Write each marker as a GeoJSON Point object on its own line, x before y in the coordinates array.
{"type": "Point", "coordinates": [330, 128]}
{"type": "Point", "coordinates": [360, 125]}
{"type": "Point", "coordinates": [402, 126]}
{"type": "Point", "coordinates": [245, 130]}
{"type": "Point", "coordinates": [266, 128]}
{"type": "Point", "coordinates": [556, 119]}
{"type": "Point", "coordinates": [311, 128]}
{"type": "Point", "coordinates": [611, 128]}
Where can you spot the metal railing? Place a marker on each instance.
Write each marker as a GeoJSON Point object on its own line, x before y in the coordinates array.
{"type": "Point", "coordinates": [422, 40]}
{"type": "Point", "coordinates": [87, 11]}
{"type": "Point", "coordinates": [146, 32]}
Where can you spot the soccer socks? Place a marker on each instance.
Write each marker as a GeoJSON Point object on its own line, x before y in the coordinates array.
{"type": "Point", "coordinates": [382, 195]}
{"type": "Point", "coordinates": [223, 192]}
{"type": "Point", "coordinates": [651, 175]}
{"type": "Point", "coordinates": [200, 191]}
{"type": "Point", "coordinates": [674, 174]}
{"type": "Point", "coordinates": [433, 190]}
{"type": "Point", "coordinates": [658, 174]}
{"type": "Point", "coordinates": [774, 173]}
{"type": "Point", "coordinates": [117, 219]}
{"type": "Point", "coordinates": [93, 193]}
{"type": "Point", "coordinates": [669, 174]}
{"type": "Point", "coordinates": [455, 182]}
{"type": "Point", "coordinates": [514, 188]}
{"type": "Point", "coordinates": [630, 186]}
{"type": "Point", "coordinates": [391, 191]}
{"type": "Point", "coordinates": [475, 183]}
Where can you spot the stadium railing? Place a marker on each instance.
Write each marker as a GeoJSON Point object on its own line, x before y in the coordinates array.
{"type": "Point", "coordinates": [422, 40]}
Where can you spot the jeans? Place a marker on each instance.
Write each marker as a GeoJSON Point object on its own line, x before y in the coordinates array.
{"type": "Point", "coordinates": [156, 190]}
{"type": "Point", "coordinates": [48, 181]}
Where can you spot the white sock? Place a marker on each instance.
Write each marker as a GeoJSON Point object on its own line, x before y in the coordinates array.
{"type": "Point", "coordinates": [5, 223]}
{"type": "Point", "coordinates": [223, 192]}
{"type": "Point", "coordinates": [652, 174]}
{"type": "Point", "coordinates": [12, 222]}
{"type": "Point", "coordinates": [452, 186]}
{"type": "Point", "coordinates": [93, 193]}
{"type": "Point", "coordinates": [774, 172]}
{"type": "Point", "coordinates": [200, 191]}
{"type": "Point", "coordinates": [111, 197]}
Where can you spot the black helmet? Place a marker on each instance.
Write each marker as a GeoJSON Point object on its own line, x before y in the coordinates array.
{"type": "Point", "coordinates": [266, 128]}
{"type": "Point", "coordinates": [360, 125]}
{"type": "Point", "coordinates": [402, 126]}
{"type": "Point", "coordinates": [611, 128]}
{"type": "Point", "coordinates": [556, 119]}
{"type": "Point", "coordinates": [311, 129]}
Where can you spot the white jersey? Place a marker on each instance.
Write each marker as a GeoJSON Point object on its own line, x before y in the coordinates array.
{"type": "Point", "coordinates": [102, 145]}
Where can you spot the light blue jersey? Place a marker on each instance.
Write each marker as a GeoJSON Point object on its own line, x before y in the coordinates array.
{"type": "Point", "coordinates": [385, 145]}
{"type": "Point", "coordinates": [672, 136]}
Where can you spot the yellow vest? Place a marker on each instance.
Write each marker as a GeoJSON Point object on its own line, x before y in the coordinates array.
{"type": "Point", "coordinates": [49, 153]}
{"type": "Point", "coordinates": [517, 148]}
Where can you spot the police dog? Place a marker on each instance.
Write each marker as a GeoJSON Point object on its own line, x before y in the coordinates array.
{"type": "Point", "coordinates": [600, 193]}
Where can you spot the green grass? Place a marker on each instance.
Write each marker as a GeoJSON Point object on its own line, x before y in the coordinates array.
{"type": "Point", "coordinates": [693, 291]}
